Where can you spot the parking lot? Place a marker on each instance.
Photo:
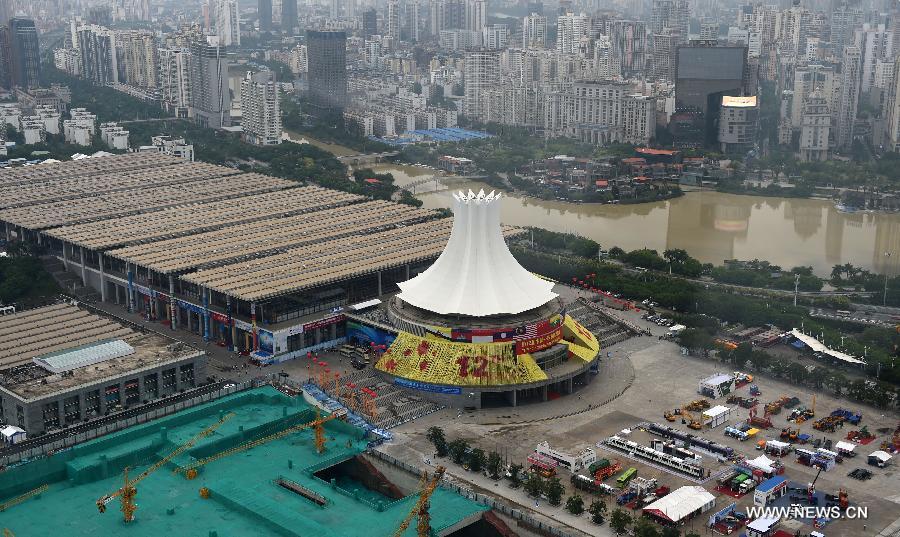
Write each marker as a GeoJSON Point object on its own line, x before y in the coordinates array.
{"type": "Point", "coordinates": [664, 379]}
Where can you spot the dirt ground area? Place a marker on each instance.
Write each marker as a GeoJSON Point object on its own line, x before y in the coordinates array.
{"type": "Point", "coordinates": [663, 379]}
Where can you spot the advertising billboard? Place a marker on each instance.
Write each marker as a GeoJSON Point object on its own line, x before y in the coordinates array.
{"type": "Point", "coordinates": [527, 346]}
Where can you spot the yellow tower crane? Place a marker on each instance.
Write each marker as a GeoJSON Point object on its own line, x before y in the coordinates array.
{"type": "Point", "coordinates": [129, 490]}
{"type": "Point", "coordinates": [190, 470]}
{"type": "Point", "coordinates": [423, 526]}
{"type": "Point", "coordinates": [19, 499]}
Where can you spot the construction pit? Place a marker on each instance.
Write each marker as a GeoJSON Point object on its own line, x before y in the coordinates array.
{"type": "Point", "coordinates": [282, 487]}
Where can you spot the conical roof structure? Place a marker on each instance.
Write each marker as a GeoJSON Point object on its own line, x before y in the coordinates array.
{"type": "Point", "coordinates": [476, 275]}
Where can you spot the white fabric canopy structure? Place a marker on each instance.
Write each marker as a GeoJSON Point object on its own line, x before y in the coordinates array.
{"type": "Point", "coordinates": [476, 274]}
{"type": "Point", "coordinates": [682, 502]}
{"type": "Point", "coordinates": [816, 346]}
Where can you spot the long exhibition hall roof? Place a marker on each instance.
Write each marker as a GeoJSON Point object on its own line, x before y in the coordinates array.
{"type": "Point", "coordinates": [476, 275]}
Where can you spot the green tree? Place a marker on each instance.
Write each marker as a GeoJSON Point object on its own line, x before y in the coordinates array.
{"type": "Point", "coordinates": [515, 475]}
{"type": "Point", "coordinates": [575, 504]}
{"type": "Point", "coordinates": [494, 464]}
{"type": "Point", "coordinates": [477, 459]}
{"type": "Point", "coordinates": [554, 491]}
{"type": "Point", "coordinates": [534, 485]}
{"type": "Point", "coordinates": [670, 531]}
{"type": "Point", "coordinates": [436, 436]}
{"type": "Point", "coordinates": [619, 521]}
{"type": "Point", "coordinates": [597, 509]}
{"type": "Point", "coordinates": [644, 528]}
{"type": "Point", "coordinates": [692, 534]}
{"type": "Point", "coordinates": [458, 449]}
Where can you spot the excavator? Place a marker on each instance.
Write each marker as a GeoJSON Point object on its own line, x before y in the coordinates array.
{"type": "Point", "coordinates": [420, 510]}
{"type": "Point", "coordinates": [688, 418]}
{"type": "Point", "coordinates": [190, 470]}
{"type": "Point", "coordinates": [129, 489]}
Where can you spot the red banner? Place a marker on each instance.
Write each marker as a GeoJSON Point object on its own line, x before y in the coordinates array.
{"type": "Point", "coordinates": [527, 346]}
{"type": "Point", "coordinates": [334, 319]}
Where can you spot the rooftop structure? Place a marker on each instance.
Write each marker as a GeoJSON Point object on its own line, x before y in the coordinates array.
{"type": "Point", "coordinates": [199, 217]}
{"type": "Point", "coordinates": [254, 239]}
{"type": "Point", "coordinates": [325, 262]}
{"type": "Point", "coordinates": [66, 188]}
{"type": "Point", "coordinates": [283, 488]}
{"type": "Point", "coordinates": [476, 275]}
{"type": "Point", "coordinates": [124, 203]}
{"type": "Point", "coordinates": [55, 362]}
{"type": "Point", "coordinates": [32, 333]}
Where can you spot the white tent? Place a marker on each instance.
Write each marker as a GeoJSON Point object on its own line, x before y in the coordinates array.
{"type": "Point", "coordinates": [816, 346]}
{"type": "Point", "coordinates": [681, 503]}
{"type": "Point", "coordinates": [762, 463]}
{"type": "Point", "coordinates": [844, 447]}
{"type": "Point", "coordinates": [476, 274]}
{"type": "Point", "coordinates": [12, 434]}
{"type": "Point", "coordinates": [880, 455]}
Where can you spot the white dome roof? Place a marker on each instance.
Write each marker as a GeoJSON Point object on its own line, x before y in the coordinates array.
{"type": "Point", "coordinates": [476, 274]}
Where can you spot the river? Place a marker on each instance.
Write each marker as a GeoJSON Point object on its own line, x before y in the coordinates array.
{"type": "Point", "coordinates": [711, 226]}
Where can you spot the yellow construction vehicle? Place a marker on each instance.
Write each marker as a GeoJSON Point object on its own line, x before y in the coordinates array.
{"type": "Point", "coordinates": [190, 470]}
{"type": "Point", "coordinates": [423, 526]}
{"type": "Point", "coordinates": [129, 490]}
{"type": "Point", "coordinates": [19, 499]}
{"type": "Point", "coordinates": [688, 418]}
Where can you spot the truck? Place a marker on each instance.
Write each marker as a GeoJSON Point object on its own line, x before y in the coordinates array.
{"type": "Point", "coordinates": [604, 468]}
{"type": "Point", "coordinates": [736, 433]}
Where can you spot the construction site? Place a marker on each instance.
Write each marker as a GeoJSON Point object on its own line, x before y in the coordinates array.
{"type": "Point", "coordinates": [254, 463]}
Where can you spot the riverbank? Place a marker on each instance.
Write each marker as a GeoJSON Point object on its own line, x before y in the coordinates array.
{"type": "Point", "coordinates": [711, 226]}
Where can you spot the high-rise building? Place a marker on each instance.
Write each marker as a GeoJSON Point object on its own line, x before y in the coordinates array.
{"type": "Point", "coordinates": [481, 71]}
{"type": "Point", "coordinates": [264, 12]}
{"type": "Point", "coordinates": [392, 21]}
{"type": "Point", "coordinates": [210, 97]}
{"type": "Point", "coordinates": [815, 129]}
{"type": "Point", "coordinates": [495, 36]}
{"type": "Point", "coordinates": [534, 31]}
{"type": "Point", "coordinates": [476, 15]}
{"type": "Point", "coordinates": [672, 14]}
{"type": "Point", "coordinates": [6, 12]}
{"type": "Point", "coordinates": [738, 124]}
{"type": "Point", "coordinates": [175, 80]}
{"type": "Point", "coordinates": [228, 23]}
{"type": "Point", "coordinates": [664, 57]}
{"type": "Point", "coordinates": [570, 29]}
{"type": "Point", "coordinates": [629, 42]}
{"type": "Point", "coordinates": [288, 16]}
{"type": "Point", "coordinates": [24, 54]}
{"type": "Point", "coordinates": [845, 18]}
{"type": "Point", "coordinates": [260, 109]}
{"type": "Point", "coordinates": [703, 75]}
{"type": "Point", "coordinates": [140, 53]}
{"type": "Point", "coordinates": [99, 61]}
{"type": "Point", "coordinates": [847, 110]}
{"type": "Point", "coordinates": [875, 45]}
{"type": "Point", "coordinates": [369, 23]}
{"type": "Point", "coordinates": [327, 59]}
{"type": "Point", "coordinates": [709, 30]}
{"type": "Point", "coordinates": [809, 79]}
